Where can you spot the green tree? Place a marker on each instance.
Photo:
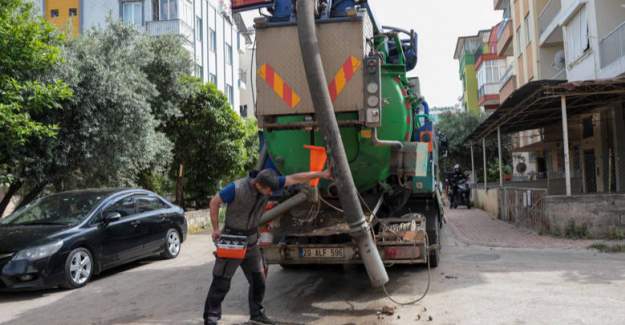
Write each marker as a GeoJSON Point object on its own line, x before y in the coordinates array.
{"type": "Point", "coordinates": [109, 132]}
{"type": "Point", "coordinates": [209, 143]}
{"type": "Point", "coordinates": [457, 127]}
{"type": "Point", "coordinates": [29, 96]}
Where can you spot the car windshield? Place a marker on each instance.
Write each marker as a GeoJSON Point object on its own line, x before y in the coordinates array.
{"type": "Point", "coordinates": [59, 209]}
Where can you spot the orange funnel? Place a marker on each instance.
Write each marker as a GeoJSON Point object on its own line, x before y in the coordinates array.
{"type": "Point", "coordinates": [318, 158]}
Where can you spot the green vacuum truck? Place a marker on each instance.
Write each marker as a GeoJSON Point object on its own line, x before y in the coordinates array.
{"type": "Point", "coordinates": [389, 140]}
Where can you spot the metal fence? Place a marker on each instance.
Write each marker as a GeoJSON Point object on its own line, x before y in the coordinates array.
{"type": "Point", "coordinates": [613, 46]}
{"type": "Point", "coordinates": [524, 206]}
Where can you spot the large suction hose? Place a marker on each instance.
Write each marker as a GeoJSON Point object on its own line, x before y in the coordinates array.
{"type": "Point", "coordinates": [324, 110]}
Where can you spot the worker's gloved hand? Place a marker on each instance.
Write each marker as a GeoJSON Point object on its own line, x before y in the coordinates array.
{"type": "Point", "coordinates": [216, 234]}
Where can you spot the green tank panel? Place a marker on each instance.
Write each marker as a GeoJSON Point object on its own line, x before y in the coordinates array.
{"type": "Point", "coordinates": [369, 164]}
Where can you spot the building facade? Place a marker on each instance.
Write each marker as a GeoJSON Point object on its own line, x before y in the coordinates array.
{"type": "Point", "coordinates": [211, 36]}
{"type": "Point", "coordinates": [466, 47]}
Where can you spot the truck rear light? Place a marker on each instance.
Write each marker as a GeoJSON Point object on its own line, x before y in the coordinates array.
{"type": "Point", "coordinates": [242, 5]}
{"type": "Point", "coordinates": [401, 252]}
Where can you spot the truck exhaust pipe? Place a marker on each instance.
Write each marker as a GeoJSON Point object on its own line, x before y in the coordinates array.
{"type": "Point", "coordinates": [324, 109]}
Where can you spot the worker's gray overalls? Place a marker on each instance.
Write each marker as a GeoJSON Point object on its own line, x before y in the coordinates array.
{"type": "Point", "coordinates": [242, 217]}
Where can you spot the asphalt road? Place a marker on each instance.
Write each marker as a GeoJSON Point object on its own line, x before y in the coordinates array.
{"type": "Point", "coordinates": [473, 285]}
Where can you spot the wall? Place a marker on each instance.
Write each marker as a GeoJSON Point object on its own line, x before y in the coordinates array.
{"type": "Point", "coordinates": [64, 21]}
{"type": "Point", "coordinates": [198, 220]}
{"type": "Point", "coordinates": [599, 213]}
{"type": "Point", "coordinates": [470, 79]}
{"type": "Point", "coordinates": [487, 200]}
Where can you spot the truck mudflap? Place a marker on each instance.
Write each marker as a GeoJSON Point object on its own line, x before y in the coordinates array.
{"type": "Point", "coordinates": [391, 253]}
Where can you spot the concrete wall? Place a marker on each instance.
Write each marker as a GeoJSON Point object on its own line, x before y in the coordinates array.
{"type": "Point", "coordinates": [598, 213]}
{"type": "Point", "coordinates": [487, 200]}
{"type": "Point", "coordinates": [198, 220]}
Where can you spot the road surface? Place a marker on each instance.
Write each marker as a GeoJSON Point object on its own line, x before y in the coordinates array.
{"type": "Point", "coordinates": [475, 284]}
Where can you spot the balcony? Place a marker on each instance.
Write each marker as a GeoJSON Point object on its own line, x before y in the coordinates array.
{"type": "Point", "coordinates": [548, 24]}
{"type": "Point", "coordinates": [488, 95]}
{"type": "Point", "coordinates": [613, 47]}
{"type": "Point", "coordinates": [170, 27]}
{"type": "Point", "coordinates": [504, 38]}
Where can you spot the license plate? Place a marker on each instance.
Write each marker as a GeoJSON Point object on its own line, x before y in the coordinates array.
{"type": "Point", "coordinates": [322, 252]}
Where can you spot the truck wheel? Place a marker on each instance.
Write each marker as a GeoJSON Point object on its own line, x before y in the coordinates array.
{"type": "Point", "coordinates": [433, 227]}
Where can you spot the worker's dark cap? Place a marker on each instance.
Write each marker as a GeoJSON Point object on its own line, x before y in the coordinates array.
{"type": "Point", "coordinates": [269, 178]}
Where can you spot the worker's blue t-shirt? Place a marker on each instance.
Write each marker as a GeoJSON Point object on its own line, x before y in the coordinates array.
{"type": "Point", "coordinates": [227, 193]}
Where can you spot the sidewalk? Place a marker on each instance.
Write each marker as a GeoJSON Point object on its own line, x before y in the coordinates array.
{"type": "Point", "coordinates": [476, 227]}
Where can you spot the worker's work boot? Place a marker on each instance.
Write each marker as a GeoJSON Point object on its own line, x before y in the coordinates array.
{"type": "Point", "coordinates": [261, 319]}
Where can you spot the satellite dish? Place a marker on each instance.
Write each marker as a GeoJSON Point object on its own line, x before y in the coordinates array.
{"type": "Point", "coordinates": [559, 60]}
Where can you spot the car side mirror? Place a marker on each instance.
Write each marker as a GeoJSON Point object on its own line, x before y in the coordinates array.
{"type": "Point", "coordinates": [112, 217]}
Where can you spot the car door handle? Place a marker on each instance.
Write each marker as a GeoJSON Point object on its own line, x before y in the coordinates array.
{"type": "Point", "coordinates": [135, 223]}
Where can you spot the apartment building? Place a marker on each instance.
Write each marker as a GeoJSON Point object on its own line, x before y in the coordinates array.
{"type": "Point", "coordinates": [567, 114]}
{"type": "Point", "coordinates": [211, 34]}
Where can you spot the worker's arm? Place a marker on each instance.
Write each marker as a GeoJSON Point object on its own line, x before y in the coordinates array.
{"type": "Point", "coordinates": [215, 204]}
{"type": "Point", "coordinates": [305, 177]}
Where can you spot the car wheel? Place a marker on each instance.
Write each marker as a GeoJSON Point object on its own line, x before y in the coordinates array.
{"type": "Point", "coordinates": [172, 244]}
{"type": "Point", "coordinates": [78, 268]}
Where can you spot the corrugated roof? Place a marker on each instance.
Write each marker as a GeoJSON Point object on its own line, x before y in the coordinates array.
{"type": "Point", "coordinates": [538, 104]}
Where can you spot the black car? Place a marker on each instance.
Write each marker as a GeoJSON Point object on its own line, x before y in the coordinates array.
{"type": "Point", "coordinates": [66, 238]}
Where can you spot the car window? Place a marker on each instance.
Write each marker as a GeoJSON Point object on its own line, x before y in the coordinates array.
{"type": "Point", "coordinates": [147, 203]}
{"type": "Point", "coordinates": [125, 207]}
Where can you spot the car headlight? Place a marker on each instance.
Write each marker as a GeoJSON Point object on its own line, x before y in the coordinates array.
{"type": "Point", "coordinates": [39, 252]}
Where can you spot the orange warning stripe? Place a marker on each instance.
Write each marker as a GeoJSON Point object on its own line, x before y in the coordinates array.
{"type": "Point", "coordinates": [280, 88]}
{"type": "Point", "coordinates": [343, 76]}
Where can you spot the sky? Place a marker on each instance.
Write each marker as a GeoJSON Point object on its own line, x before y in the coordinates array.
{"type": "Point", "coordinates": [439, 23]}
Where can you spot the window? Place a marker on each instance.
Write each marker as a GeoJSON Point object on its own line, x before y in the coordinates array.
{"type": "Point", "coordinates": [213, 40]}
{"type": "Point", "coordinates": [198, 29]}
{"type": "Point", "coordinates": [155, 13]}
{"type": "Point", "coordinates": [124, 207]}
{"type": "Point", "coordinates": [243, 110]}
{"type": "Point", "coordinates": [527, 37]}
{"type": "Point", "coordinates": [587, 126]}
{"type": "Point", "coordinates": [54, 13]}
{"type": "Point", "coordinates": [187, 12]}
{"type": "Point", "coordinates": [199, 71]}
{"type": "Point", "coordinates": [73, 12]}
{"type": "Point", "coordinates": [169, 9]}
{"type": "Point", "coordinates": [228, 54]}
{"type": "Point", "coordinates": [238, 41]}
{"type": "Point", "coordinates": [230, 94]}
{"type": "Point", "coordinates": [576, 36]}
{"type": "Point", "coordinates": [148, 203]}
{"type": "Point", "coordinates": [132, 13]}
{"type": "Point", "coordinates": [212, 78]}
{"type": "Point", "coordinates": [491, 71]}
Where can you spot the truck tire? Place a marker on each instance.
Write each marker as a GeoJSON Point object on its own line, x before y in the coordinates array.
{"type": "Point", "coordinates": [433, 227]}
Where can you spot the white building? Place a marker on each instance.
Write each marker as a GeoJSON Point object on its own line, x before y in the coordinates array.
{"type": "Point", "coordinates": [592, 34]}
{"type": "Point", "coordinates": [211, 35]}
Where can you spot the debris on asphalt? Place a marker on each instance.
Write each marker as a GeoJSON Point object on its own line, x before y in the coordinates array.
{"type": "Point", "coordinates": [430, 318]}
{"type": "Point", "coordinates": [418, 317]}
{"type": "Point", "coordinates": [451, 277]}
{"type": "Point", "coordinates": [388, 310]}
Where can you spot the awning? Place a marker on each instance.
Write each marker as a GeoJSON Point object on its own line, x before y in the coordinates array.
{"type": "Point", "coordinates": [537, 104]}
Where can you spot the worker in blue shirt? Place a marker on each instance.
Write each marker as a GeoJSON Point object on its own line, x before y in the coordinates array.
{"type": "Point", "coordinates": [245, 199]}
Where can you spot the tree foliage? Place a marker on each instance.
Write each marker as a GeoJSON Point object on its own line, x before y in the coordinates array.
{"type": "Point", "coordinates": [209, 140]}
{"type": "Point", "coordinates": [457, 127]}
{"type": "Point", "coordinates": [29, 48]}
{"type": "Point", "coordinates": [109, 131]}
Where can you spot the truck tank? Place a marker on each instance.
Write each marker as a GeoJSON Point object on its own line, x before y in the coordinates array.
{"type": "Point", "coordinates": [369, 164]}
